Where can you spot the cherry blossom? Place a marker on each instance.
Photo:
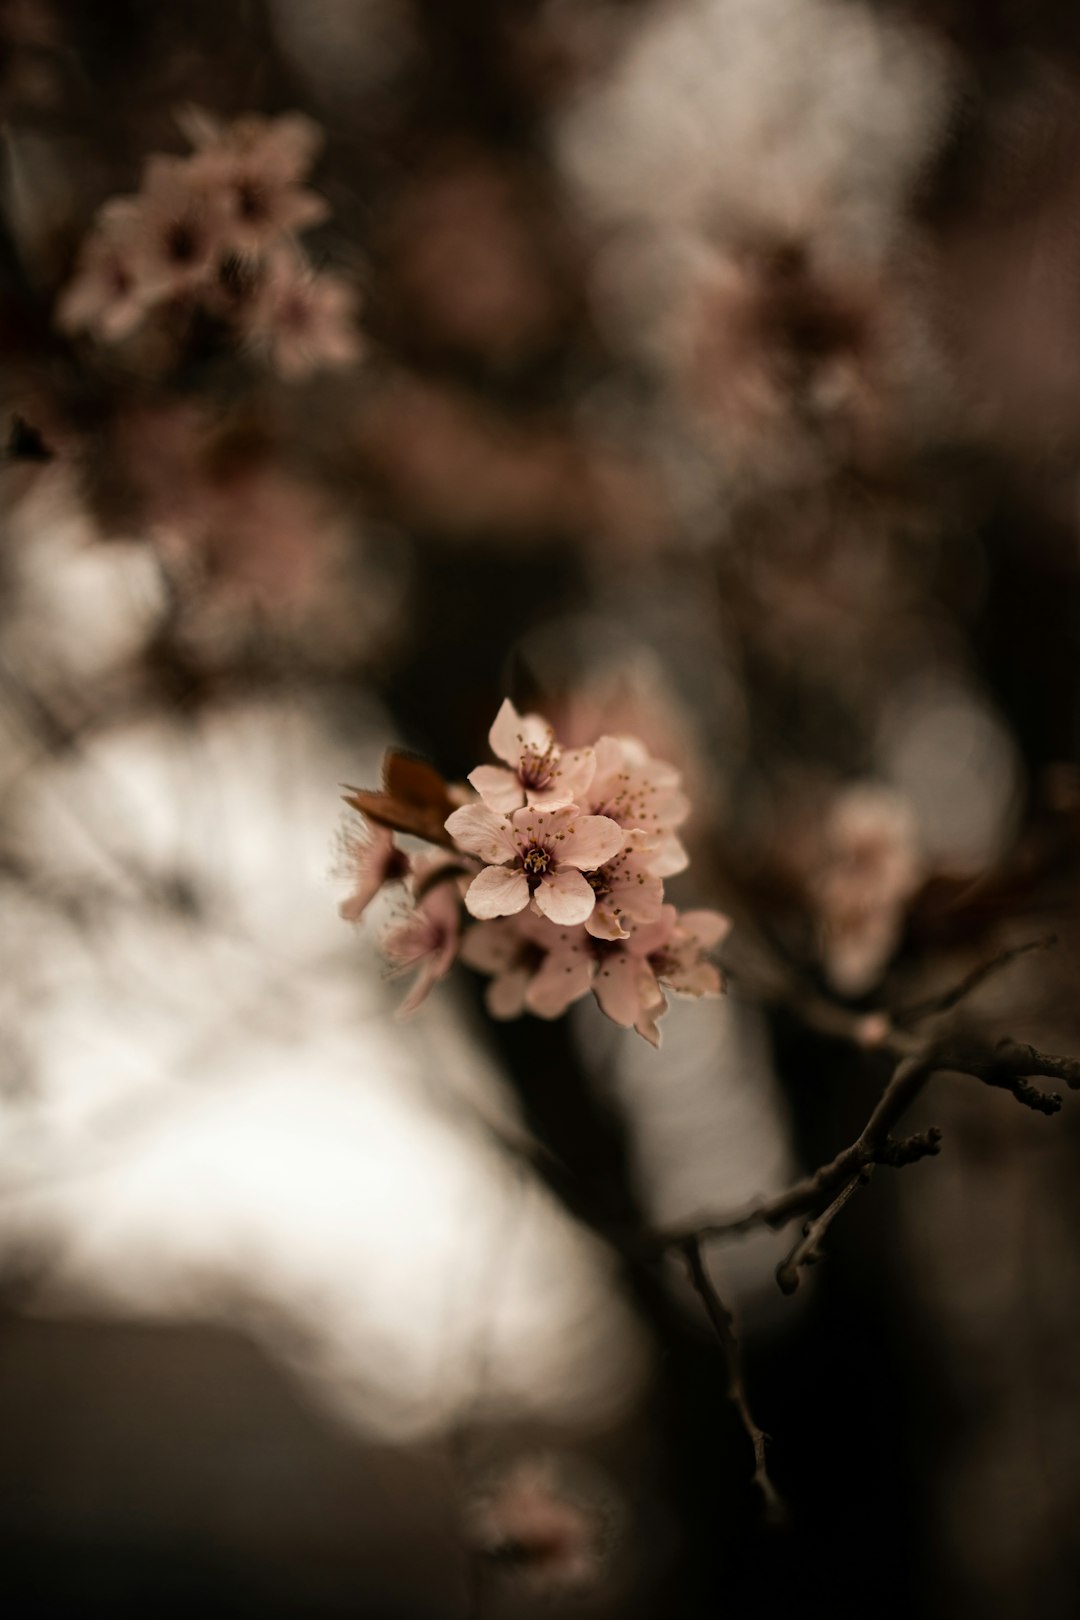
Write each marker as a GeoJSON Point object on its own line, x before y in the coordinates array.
{"type": "Point", "coordinates": [570, 896]}
{"type": "Point", "coordinates": [503, 949]}
{"type": "Point", "coordinates": [534, 854]}
{"type": "Point", "coordinates": [427, 940]}
{"type": "Point", "coordinates": [255, 165]}
{"type": "Point", "coordinates": [669, 952]}
{"type": "Point", "coordinates": [177, 227]}
{"type": "Point", "coordinates": [304, 320]}
{"type": "Point", "coordinates": [539, 771]}
{"type": "Point", "coordinates": [626, 888]}
{"type": "Point", "coordinates": [372, 859]}
{"type": "Point", "coordinates": [219, 228]}
{"type": "Point", "coordinates": [638, 791]}
{"type": "Point", "coordinates": [870, 868]}
{"type": "Point", "coordinates": [539, 1523]}
{"type": "Point", "coordinates": [565, 974]}
{"type": "Point", "coordinates": [106, 296]}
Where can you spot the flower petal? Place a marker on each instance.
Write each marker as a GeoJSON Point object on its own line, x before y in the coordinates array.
{"type": "Point", "coordinates": [696, 979]}
{"type": "Point", "coordinates": [651, 1013]}
{"type": "Point", "coordinates": [589, 842]}
{"type": "Point", "coordinates": [498, 893]}
{"type": "Point", "coordinates": [499, 788]}
{"type": "Point", "coordinates": [651, 936]}
{"type": "Point", "coordinates": [564, 977]}
{"type": "Point", "coordinates": [511, 733]}
{"type": "Point", "coordinates": [570, 779]}
{"type": "Point", "coordinates": [565, 897]}
{"type": "Point", "coordinates": [643, 901]}
{"type": "Point", "coordinates": [669, 857]}
{"type": "Point", "coordinates": [491, 947]}
{"type": "Point", "coordinates": [428, 975]}
{"type": "Point", "coordinates": [505, 995]}
{"type": "Point", "coordinates": [706, 928]}
{"type": "Point", "coordinates": [618, 987]}
{"type": "Point", "coordinates": [504, 738]}
{"type": "Point", "coordinates": [604, 924]}
{"type": "Point", "coordinates": [475, 829]}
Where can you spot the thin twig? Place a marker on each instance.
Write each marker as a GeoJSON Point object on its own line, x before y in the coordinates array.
{"type": "Point", "coordinates": [807, 1252]}
{"type": "Point", "coordinates": [1008, 1066]}
{"type": "Point", "coordinates": [946, 1000]}
{"type": "Point", "coordinates": [724, 1327]}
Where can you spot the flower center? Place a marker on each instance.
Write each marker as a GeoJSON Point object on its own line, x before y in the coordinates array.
{"type": "Point", "coordinates": [536, 860]}
{"type": "Point", "coordinates": [536, 768]}
{"type": "Point", "coordinates": [251, 203]}
{"type": "Point", "coordinates": [182, 242]}
{"type": "Point", "coordinates": [599, 883]}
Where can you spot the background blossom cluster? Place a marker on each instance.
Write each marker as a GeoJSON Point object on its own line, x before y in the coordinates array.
{"type": "Point", "coordinates": [217, 231]}
{"type": "Point", "coordinates": [552, 882]}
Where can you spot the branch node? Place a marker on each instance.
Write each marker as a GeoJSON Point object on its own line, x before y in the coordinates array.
{"type": "Point", "coordinates": [896, 1152]}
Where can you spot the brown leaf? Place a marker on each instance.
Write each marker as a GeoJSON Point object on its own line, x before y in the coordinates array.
{"type": "Point", "coordinates": [414, 799]}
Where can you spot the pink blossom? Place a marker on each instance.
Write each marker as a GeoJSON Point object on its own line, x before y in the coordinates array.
{"type": "Point", "coordinates": [371, 859]}
{"type": "Point", "coordinates": [565, 974]}
{"type": "Point", "coordinates": [536, 966]}
{"type": "Point", "coordinates": [427, 940]}
{"type": "Point", "coordinates": [540, 772]}
{"type": "Point", "coordinates": [626, 888]}
{"type": "Point", "coordinates": [504, 949]}
{"type": "Point", "coordinates": [669, 952]}
{"type": "Point", "coordinates": [534, 854]}
{"type": "Point", "coordinates": [638, 791]}
{"type": "Point", "coordinates": [543, 1525]}
{"type": "Point", "coordinates": [176, 223]}
{"type": "Point", "coordinates": [105, 296]}
{"type": "Point", "coordinates": [871, 866]}
{"type": "Point", "coordinates": [255, 164]}
{"type": "Point", "coordinates": [303, 319]}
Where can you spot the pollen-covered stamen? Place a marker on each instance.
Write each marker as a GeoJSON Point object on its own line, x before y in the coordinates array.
{"type": "Point", "coordinates": [535, 860]}
{"type": "Point", "coordinates": [537, 768]}
{"type": "Point", "coordinates": [607, 877]}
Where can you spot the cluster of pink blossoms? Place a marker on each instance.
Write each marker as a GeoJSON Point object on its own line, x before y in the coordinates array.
{"type": "Point", "coordinates": [218, 230]}
{"type": "Point", "coordinates": [559, 860]}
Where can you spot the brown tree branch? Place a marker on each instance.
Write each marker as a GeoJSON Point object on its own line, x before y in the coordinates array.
{"type": "Point", "coordinates": [821, 1195]}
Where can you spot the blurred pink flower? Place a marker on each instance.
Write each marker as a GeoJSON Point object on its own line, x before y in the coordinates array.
{"type": "Point", "coordinates": [540, 773]}
{"type": "Point", "coordinates": [565, 975]}
{"type": "Point", "coordinates": [426, 940]}
{"type": "Point", "coordinates": [176, 223]}
{"type": "Point", "coordinates": [536, 966]}
{"type": "Point", "coordinates": [870, 869]}
{"type": "Point", "coordinates": [534, 854]}
{"type": "Point", "coordinates": [304, 320]}
{"type": "Point", "coordinates": [371, 859]}
{"type": "Point", "coordinates": [504, 949]}
{"type": "Point", "coordinates": [254, 165]}
{"type": "Point", "coordinates": [532, 1523]}
{"type": "Point", "coordinates": [105, 296]}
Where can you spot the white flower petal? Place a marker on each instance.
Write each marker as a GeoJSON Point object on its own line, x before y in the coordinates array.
{"type": "Point", "coordinates": [475, 829]}
{"type": "Point", "coordinates": [565, 897]}
{"type": "Point", "coordinates": [497, 892]}
{"type": "Point", "coordinates": [499, 788]}
{"type": "Point", "coordinates": [589, 842]}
